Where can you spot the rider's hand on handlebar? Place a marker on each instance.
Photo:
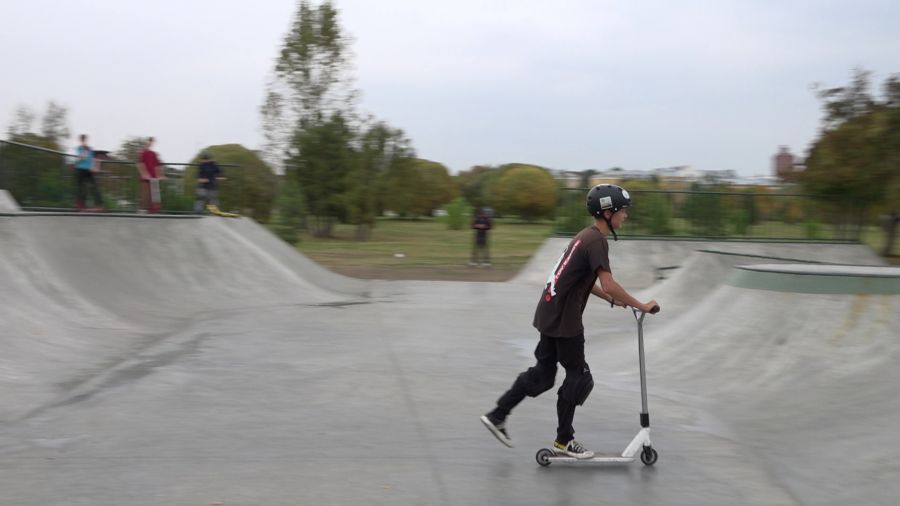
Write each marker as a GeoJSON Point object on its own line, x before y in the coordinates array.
{"type": "Point", "coordinates": [651, 307]}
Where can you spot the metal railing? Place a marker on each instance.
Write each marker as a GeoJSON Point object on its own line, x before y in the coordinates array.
{"type": "Point", "coordinates": [720, 215]}
{"type": "Point", "coordinates": [42, 179]}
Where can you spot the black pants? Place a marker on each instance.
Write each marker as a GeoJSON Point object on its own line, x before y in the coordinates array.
{"type": "Point", "coordinates": [84, 178]}
{"type": "Point", "coordinates": [569, 352]}
{"type": "Point", "coordinates": [480, 251]}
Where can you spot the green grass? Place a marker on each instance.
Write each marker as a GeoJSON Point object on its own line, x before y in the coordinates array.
{"type": "Point", "coordinates": [427, 249]}
{"type": "Point", "coordinates": [422, 246]}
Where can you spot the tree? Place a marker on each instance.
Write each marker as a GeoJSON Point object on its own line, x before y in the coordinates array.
{"type": "Point", "coordinates": [381, 150]}
{"type": "Point", "coordinates": [311, 80]}
{"type": "Point", "coordinates": [854, 164]}
{"type": "Point", "coordinates": [22, 123]}
{"type": "Point", "coordinates": [130, 148]}
{"type": "Point", "coordinates": [54, 124]}
{"type": "Point", "coordinates": [308, 115]}
{"type": "Point", "coordinates": [526, 190]}
{"type": "Point", "coordinates": [458, 213]}
{"type": "Point", "coordinates": [323, 158]}
{"type": "Point", "coordinates": [37, 178]}
{"type": "Point", "coordinates": [473, 184]}
{"type": "Point", "coordinates": [401, 182]}
{"type": "Point", "coordinates": [290, 212]}
{"type": "Point", "coordinates": [434, 187]}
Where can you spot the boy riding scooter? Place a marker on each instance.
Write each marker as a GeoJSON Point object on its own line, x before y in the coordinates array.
{"type": "Point", "coordinates": [558, 319]}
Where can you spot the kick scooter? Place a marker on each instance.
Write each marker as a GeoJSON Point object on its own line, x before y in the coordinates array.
{"type": "Point", "coordinates": [641, 442]}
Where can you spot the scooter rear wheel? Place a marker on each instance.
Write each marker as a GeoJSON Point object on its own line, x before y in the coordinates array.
{"type": "Point", "coordinates": [543, 457]}
{"type": "Point", "coordinates": [649, 456]}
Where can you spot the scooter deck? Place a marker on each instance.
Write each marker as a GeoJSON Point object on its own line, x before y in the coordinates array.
{"type": "Point", "coordinates": [596, 459]}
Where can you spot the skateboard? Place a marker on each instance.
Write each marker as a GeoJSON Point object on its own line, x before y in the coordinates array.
{"type": "Point", "coordinates": [214, 209]}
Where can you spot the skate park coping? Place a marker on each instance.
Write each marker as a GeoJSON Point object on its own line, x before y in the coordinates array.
{"type": "Point", "coordinates": [821, 279]}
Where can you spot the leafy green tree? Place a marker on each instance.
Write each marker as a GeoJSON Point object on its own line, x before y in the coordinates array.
{"type": "Point", "coordinates": [22, 123]}
{"type": "Point", "coordinates": [130, 149]}
{"type": "Point", "coordinates": [37, 177]}
{"type": "Point", "coordinates": [473, 184]}
{"type": "Point", "coordinates": [341, 165]}
{"type": "Point", "coordinates": [290, 212]}
{"type": "Point", "coordinates": [435, 187]}
{"type": "Point", "coordinates": [54, 123]}
{"type": "Point", "coordinates": [381, 149]}
{"type": "Point", "coordinates": [321, 164]}
{"type": "Point", "coordinates": [307, 112]}
{"type": "Point", "coordinates": [311, 80]}
{"type": "Point", "coordinates": [526, 190]}
{"type": "Point", "coordinates": [401, 182]}
{"type": "Point", "coordinates": [249, 188]}
{"type": "Point", "coordinates": [53, 129]}
{"type": "Point", "coordinates": [458, 214]}
{"type": "Point", "coordinates": [854, 164]}
{"type": "Point", "coordinates": [480, 190]}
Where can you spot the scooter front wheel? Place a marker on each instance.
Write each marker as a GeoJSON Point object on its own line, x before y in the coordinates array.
{"type": "Point", "coordinates": [543, 457]}
{"type": "Point", "coordinates": [649, 456]}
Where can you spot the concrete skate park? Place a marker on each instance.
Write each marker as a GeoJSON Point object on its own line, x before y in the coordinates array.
{"type": "Point", "coordinates": [198, 361]}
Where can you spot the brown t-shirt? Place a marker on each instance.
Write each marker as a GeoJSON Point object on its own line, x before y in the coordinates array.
{"type": "Point", "coordinates": [568, 288]}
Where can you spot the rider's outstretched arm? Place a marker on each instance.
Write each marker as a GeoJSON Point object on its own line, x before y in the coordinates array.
{"type": "Point", "coordinates": [612, 288]}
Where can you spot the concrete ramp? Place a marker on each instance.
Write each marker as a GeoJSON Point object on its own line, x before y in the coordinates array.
{"type": "Point", "coordinates": [8, 204]}
{"type": "Point", "coordinates": [80, 293]}
{"type": "Point", "coordinates": [805, 373]}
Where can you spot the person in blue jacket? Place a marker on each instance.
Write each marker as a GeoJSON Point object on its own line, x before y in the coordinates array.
{"type": "Point", "coordinates": [84, 176]}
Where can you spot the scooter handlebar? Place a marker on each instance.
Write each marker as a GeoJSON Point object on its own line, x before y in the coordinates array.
{"type": "Point", "coordinates": [640, 314]}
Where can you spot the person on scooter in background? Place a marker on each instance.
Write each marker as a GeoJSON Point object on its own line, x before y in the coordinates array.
{"type": "Point", "coordinates": [558, 319]}
{"type": "Point", "coordinates": [208, 174]}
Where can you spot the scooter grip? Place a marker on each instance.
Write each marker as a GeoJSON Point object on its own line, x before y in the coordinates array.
{"type": "Point", "coordinates": [654, 309]}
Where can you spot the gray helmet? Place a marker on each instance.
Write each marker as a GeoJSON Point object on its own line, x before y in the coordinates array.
{"type": "Point", "coordinates": [607, 196]}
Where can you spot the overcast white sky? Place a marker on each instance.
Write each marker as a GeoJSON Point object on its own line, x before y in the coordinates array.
{"type": "Point", "coordinates": [570, 84]}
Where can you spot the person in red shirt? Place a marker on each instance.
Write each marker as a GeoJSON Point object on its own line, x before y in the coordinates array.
{"type": "Point", "coordinates": [151, 173]}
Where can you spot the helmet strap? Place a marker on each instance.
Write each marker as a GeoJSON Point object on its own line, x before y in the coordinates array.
{"type": "Point", "coordinates": [610, 225]}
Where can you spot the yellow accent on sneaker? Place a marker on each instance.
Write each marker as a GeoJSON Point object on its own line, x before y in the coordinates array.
{"type": "Point", "coordinates": [564, 449]}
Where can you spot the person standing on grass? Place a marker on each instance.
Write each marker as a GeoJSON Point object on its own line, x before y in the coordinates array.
{"type": "Point", "coordinates": [480, 252]}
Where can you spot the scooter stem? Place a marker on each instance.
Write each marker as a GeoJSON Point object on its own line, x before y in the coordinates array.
{"type": "Point", "coordinates": [639, 317]}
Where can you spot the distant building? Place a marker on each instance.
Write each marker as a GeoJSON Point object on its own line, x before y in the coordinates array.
{"type": "Point", "coordinates": [677, 177]}
{"type": "Point", "coordinates": [785, 164]}
{"type": "Point", "coordinates": [569, 178]}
